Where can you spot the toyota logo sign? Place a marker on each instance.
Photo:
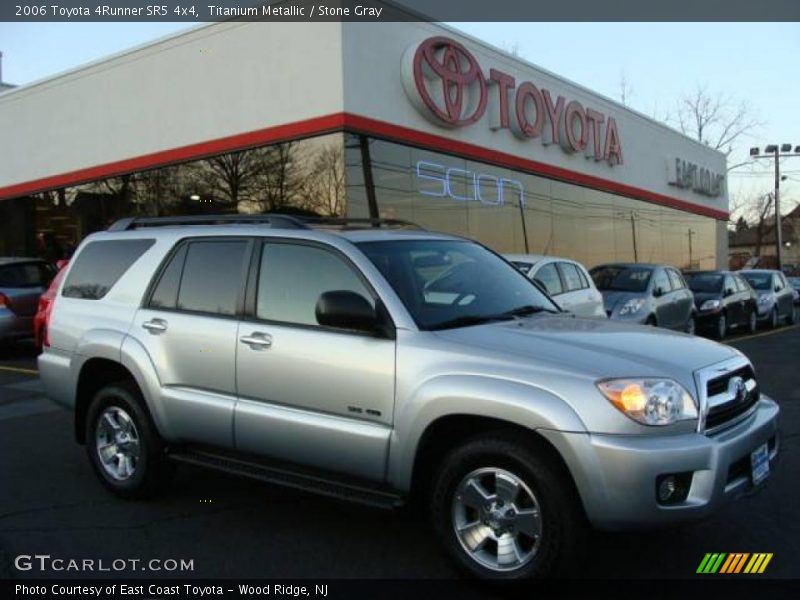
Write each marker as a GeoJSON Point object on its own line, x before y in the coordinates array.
{"type": "Point", "coordinates": [446, 84]}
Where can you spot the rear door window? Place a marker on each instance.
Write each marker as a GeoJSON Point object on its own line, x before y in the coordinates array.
{"type": "Point", "coordinates": [572, 277]}
{"type": "Point", "coordinates": [213, 277]}
{"type": "Point", "coordinates": [100, 265]}
{"type": "Point", "coordinates": [165, 294]}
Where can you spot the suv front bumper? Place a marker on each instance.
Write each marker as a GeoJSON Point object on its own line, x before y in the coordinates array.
{"type": "Point", "coordinates": [616, 475]}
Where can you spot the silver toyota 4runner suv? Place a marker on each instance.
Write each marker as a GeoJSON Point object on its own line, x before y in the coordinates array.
{"type": "Point", "coordinates": [383, 364]}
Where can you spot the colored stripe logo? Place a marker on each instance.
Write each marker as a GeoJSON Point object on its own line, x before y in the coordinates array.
{"type": "Point", "coordinates": [734, 562]}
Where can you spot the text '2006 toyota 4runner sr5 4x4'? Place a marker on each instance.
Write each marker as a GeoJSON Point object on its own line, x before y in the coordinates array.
{"type": "Point", "coordinates": [380, 363]}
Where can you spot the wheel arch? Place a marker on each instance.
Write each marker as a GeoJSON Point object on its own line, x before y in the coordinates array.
{"type": "Point", "coordinates": [95, 374]}
{"type": "Point", "coordinates": [451, 431]}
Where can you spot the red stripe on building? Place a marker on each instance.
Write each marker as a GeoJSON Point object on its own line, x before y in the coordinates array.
{"type": "Point", "coordinates": [347, 122]}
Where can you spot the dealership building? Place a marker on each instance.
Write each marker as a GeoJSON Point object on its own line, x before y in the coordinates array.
{"type": "Point", "coordinates": [411, 121]}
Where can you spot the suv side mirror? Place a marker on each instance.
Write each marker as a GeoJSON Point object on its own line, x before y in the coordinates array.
{"type": "Point", "coordinates": [658, 292]}
{"type": "Point", "coordinates": [344, 309]}
{"type": "Point", "coordinates": [728, 292]}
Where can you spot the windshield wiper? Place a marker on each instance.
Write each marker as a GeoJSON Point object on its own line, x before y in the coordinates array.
{"type": "Point", "coordinates": [467, 320]}
{"type": "Point", "coordinates": [528, 309]}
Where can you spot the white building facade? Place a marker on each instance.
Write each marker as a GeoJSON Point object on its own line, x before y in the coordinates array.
{"type": "Point", "coordinates": [411, 121]}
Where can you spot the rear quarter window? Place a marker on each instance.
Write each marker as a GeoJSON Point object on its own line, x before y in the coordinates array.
{"type": "Point", "coordinates": [100, 265]}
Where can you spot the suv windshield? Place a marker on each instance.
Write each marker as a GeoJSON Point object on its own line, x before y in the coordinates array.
{"type": "Point", "coordinates": [446, 283]}
{"type": "Point", "coordinates": [705, 282]}
{"type": "Point", "coordinates": [621, 279]}
{"type": "Point", "coordinates": [759, 281]}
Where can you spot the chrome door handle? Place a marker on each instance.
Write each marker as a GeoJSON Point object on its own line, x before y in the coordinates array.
{"type": "Point", "coordinates": [256, 340]}
{"type": "Point", "coordinates": [155, 326]}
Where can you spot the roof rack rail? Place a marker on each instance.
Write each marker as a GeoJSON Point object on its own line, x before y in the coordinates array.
{"type": "Point", "coordinates": [282, 221]}
{"type": "Point", "coordinates": [272, 219]}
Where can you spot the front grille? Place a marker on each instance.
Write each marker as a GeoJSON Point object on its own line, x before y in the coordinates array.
{"type": "Point", "coordinates": [726, 411]}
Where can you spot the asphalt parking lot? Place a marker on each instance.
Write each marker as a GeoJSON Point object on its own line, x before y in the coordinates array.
{"type": "Point", "coordinates": [51, 503]}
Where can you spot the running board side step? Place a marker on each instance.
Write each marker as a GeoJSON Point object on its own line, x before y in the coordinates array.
{"type": "Point", "coordinates": [360, 493]}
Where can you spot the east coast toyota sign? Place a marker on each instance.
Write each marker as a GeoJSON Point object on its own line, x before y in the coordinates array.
{"type": "Point", "coordinates": [448, 86]}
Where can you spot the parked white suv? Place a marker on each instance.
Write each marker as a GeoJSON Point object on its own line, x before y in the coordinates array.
{"type": "Point", "coordinates": [566, 281]}
{"type": "Point", "coordinates": [386, 365]}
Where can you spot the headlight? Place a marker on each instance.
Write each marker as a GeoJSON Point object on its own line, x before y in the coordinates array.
{"type": "Point", "coordinates": [763, 298]}
{"type": "Point", "coordinates": [650, 401]}
{"type": "Point", "coordinates": [632, 306]}
{"type": "Point", "coordinates": [711, 305]}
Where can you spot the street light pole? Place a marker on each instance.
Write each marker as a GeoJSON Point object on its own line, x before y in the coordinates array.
{"type": "Point", "coordinates": [775, 152]}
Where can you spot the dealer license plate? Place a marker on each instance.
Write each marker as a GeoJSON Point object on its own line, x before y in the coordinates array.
{"type": "Point", "coordinates": [759, 460]}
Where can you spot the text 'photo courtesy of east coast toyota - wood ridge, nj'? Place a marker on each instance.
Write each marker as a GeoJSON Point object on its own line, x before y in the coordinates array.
{"type": "Point", "coordinates": [377, 300]}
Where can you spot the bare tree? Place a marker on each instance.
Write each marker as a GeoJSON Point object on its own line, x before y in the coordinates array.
{"type": "Point", "coordinates": [756, 213]}
{"type": "Point", "coordinates": [325, 192]}
{"type": "Point", "coordinates": [714, 119]}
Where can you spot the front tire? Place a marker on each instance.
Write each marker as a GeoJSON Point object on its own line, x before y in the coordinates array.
{"type": "Point", "coordinates": [124, 448]}
{"type": "Point", "coordinates": [691, 325]}
{"type": "Point", "coordinates": [773, 318]}
{"type": "Point", "coordinates": [722, 327]}
{"type": "Point", "coordinates": [503, 510]}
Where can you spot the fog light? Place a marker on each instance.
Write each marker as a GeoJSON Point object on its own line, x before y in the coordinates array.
{"type": "Point", "coordinates": [666, 488]}
{"type": "Point", "coordinates": [673, 488]}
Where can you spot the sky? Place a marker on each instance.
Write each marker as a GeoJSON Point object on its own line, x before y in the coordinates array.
{"type": "Point", "coordinates": [754, 63]}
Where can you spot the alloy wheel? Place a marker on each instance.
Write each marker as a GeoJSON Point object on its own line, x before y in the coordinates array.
{"type": "Point", "coordinates": [117, 443]}
{"type": "Point", "coordinates": [497, 519]}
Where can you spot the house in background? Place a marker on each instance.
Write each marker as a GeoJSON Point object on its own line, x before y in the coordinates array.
{"type": "Point", "coordinates": [745, 251]}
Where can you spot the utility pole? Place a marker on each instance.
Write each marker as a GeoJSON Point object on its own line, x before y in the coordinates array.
{"type": "Point", "coordinates": [775, 152]}
{"type": "Point", "coordinates": [633, 234]}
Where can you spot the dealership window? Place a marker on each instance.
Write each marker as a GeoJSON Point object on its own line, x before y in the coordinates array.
{"type": "Point", "coordinates": [512, 211]}
{"type": "Point", "coordinates": [509, 211]}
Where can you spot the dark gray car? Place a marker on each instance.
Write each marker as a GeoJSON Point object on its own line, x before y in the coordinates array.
{"type": "Point", "coordinates": [775, 296]}
{"type": "Point", "coordinates": [22, 281]}
{"type": "Point", "coordinates": [646, 294]}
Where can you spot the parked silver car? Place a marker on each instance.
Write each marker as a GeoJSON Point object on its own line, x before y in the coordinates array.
{"type": "Point", "coordinates": [22, 281]}
{"type": "Point", "coordinates": [567, 282]}
{"type": "Point", "coordinates": [775, 296]}
{"type": "Point", "coordinates": [381, 366]}
{"type": "Point", "coordinates": [647, 294]}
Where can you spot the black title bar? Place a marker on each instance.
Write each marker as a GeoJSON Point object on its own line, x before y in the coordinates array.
{"type": "Point", "coordinates": [199, 11]}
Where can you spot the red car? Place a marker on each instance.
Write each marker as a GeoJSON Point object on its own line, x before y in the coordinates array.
{"type": "Point", "coordinates": [45, 304]}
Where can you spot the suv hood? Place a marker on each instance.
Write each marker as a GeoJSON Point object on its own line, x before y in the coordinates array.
{"type": "Point", "coordinates": [594, 347]}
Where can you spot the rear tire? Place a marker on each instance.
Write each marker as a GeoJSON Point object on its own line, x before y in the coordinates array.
{"type": "Point", "coordinates": [503, 509]}
{"type": "Point", "coordinates": [752, 322]}
{"type": "Point", "coordinates": [124, 448]}
{"type": "Point", "coordinates": [773, 318]}
{"type": "Point", "coordinates": [792, 318]}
